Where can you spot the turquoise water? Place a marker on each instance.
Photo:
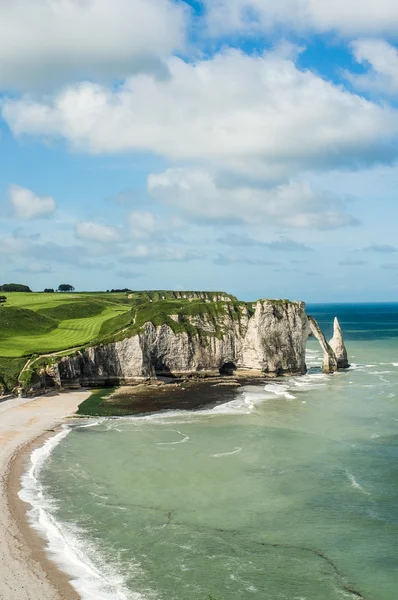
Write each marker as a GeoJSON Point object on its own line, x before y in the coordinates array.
{"type": "Point", "coordinates": [288, 492]}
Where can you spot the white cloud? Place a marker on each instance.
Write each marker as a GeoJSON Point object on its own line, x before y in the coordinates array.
{"type": "Point", "coordinates": [11, 245]}
{"type": "Point", "coordinates": [27, 205]}
{"type": "Point", "coordinates": [253, 116]}
{"type": "Point", "coordinates": [283, 244]}
{"type": "Point", "coordinates": [97, 232]}
{"type": "Point", "coordinates": [160, 253]}
{"type": "Point", "coordinates": [348, 17]}
{"type": "Point", "coordinates": [47, 42]}
{"type": "Point", "coordinates": [383, 61]}
{"type": "Point", "coordinates": [145, 224]}
{"type": "Point", "coordinates": [381, 248]}
{"type": "Point", "coordinates": [295, 204]}
{"type": "Point", "coordinates": [35, 267]}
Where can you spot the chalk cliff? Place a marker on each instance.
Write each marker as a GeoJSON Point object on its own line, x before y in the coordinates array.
{"type": "Point", "coordinates": [268, 337]}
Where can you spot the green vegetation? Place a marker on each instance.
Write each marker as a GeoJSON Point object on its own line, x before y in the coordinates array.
{"type": "Point", "coordinates": [14, 287]}
{"type": "Point", "coordinates": [45, 323]}
{"type": "Point", "coordinates": [156, 295]}
{"type": "Point", "coordinates": [21, 321]}
{"type": "Point", "coordinates": [40, 327]}
{"type": "Point", "coordinates": [66, 287]}
{"type": "Point", "coordinates": [9, 370]}
{"type": "Point", "coordinates": [96, 405]}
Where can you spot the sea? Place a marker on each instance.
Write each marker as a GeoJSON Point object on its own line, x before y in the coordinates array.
{"type": "Point", "coordinates": [289, 491]}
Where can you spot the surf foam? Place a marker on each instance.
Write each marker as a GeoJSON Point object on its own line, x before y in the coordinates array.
{"type": "Point", "coordinates": [67, 544]}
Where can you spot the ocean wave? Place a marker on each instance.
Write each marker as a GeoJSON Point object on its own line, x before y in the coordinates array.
{"type": "Point", "coordinates": [235, 451]}
{"type": "Point", "coordinates": [279, 389]}
{"type": "Point", "coordinates": [359, 367]}
{"type": "Point", "coordinates": [379, 372]}
{"type": "Point", "coordinates": [355, 484]}
{"type": "Point", "coordinates": [185, 439]}
{"type": "Point", "coordinates": [93, 578]}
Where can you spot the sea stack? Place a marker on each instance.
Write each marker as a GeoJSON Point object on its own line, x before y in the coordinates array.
{"type": "Point", "coordinates": [338, 347]}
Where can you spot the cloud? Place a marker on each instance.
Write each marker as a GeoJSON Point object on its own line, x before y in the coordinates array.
{"type": "Point", "coordinates": [390, 266]}
{"type": "Point", "coordinates": [229, 259]}
{"type": "Point", "coordinates": [348, 17]}
{"type": "Point", "coordinates": [96, 232]}
{"type": "Point", "coordinates": [156, 253]}
{"type": "Point", "coordinates": [245, 116]}
{"type": "Point", "coordinates": [145, 225]}
{"type": "Point", "coordinates": [35, 267]}
{"type": "Point", "coordinates": [382, 248]}
{"type": "Point", "coordinates": [128, 274]}
{"type": "Point", "coordinates": [352, 263]}
{"type": "Point", "coordinates": [295, 205]}
{"type": "Point", "coordinates": [32, 249]}
{"type": "Point", "coordinates": [382, 77]}
{"type": "Point", "coordinates": [283, 244]}
{"type": "Point", "coordinates": [43, 43]}
{"type": "Point", "coordinates": [27, 205]}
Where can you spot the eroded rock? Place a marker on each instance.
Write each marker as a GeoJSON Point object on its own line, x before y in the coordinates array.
{"type": "Point", "coordinates": [338, 347]}
{"type": "Point", "coordinates": [329, 364]}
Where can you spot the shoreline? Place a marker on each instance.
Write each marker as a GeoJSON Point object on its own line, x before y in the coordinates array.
{"type": "Point", "coordinates": [32, 573]}
{"type": "Point", "coordinates": [25, 424]}
{"type": "Point", "coordinates": [19, 509]}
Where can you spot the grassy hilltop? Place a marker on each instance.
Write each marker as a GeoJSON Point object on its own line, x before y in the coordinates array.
{"type": "Point", "coordinates": [36, 325]}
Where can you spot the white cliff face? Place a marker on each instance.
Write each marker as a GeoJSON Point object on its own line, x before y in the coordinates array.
{"type": "Point", "coordinates": [338, 347]}
{"type": "Point", "coordinates": [276, 337]}
{"type": "Point", "coordinates": [272, 340]}
{"type": "Point", "coordinates": [120, 360]}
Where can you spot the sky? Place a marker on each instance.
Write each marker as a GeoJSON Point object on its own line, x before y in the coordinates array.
{"type": "Point", "coordinates": [249, 146]}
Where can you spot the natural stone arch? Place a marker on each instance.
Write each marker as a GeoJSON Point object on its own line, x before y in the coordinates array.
{"type": "Point", "coordinates": [329, 364]}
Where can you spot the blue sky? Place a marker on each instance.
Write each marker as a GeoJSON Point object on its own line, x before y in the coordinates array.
{"type": "Point", "coordinates": [243, 145]}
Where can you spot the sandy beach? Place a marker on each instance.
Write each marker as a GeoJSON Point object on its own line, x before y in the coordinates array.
{"type": "Point", "coordinates": [26, 573]}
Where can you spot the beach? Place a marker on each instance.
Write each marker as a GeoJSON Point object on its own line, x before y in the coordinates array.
{"type": "Point", "coordinates": [26, 573]}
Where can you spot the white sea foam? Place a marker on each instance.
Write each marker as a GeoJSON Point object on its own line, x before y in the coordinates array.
{"type": "Point", "coordinates": [93, 578]}
{"type": "Point", "coordinates": [185, 439]}
{"type": "Point", "coordinates": [236, 451]}
{"type": "Point", "coordinates": [355, 484]}
{"type": "Point", "coordinates": [279, 390]}
{"type": "Point", "coordinates": [359, 367]}
{"type": "Point", "coordinates": [379, 372]}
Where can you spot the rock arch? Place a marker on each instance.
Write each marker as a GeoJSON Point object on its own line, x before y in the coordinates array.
{"type": "Point", "coordinates": [334, 352]}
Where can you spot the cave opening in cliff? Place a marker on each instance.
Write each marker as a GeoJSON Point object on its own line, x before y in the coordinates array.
{"type": "Point", "coordinates": [228, 368]}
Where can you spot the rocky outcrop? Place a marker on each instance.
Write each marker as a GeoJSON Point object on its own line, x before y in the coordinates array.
{"type": "Point", "coordinates": [268, 337]}
{"type": "Point", "coordinates": [329, 358]}
{"type": "Point", "coordinates": [338, 347]}
{"type": "Point", "coordinates": [271, 340]}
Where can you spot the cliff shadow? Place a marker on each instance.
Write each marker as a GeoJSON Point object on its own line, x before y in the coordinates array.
{"type": "Point", "coordinates": [228, 368]}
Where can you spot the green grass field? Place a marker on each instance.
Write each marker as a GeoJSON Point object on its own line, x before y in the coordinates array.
{"type": "Point", "coordinates": [39, 323]}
